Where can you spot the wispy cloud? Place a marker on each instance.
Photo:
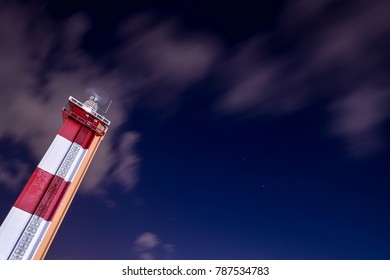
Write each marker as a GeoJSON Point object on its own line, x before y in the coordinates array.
{"type": "Point", "coordinates": [127, 164]}
{"type": "Point", "coordinates": [319, 49]}
{"type": "Point", "coordinates": [43, 63]}
{"type": "Point", "coordinates": [13, 172]}
{"type": "Point", "coordinates": [144, 245]}
{"type": "Point", "coordinates": [146, 241]}
{"type": "Point", "coordinates": [358, 118]}
{"type": "Point", "coordinates": [148, 246]}
{"type": "Point", "coordinates": [256, 84]}
{"type": "Point", "coordinates": [38, 75]}
{"type": "Point", "coordinates": [159, 60]}
{"type": "Point", "coordinates": [326, 49]}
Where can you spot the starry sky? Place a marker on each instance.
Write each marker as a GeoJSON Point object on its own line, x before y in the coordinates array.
{"type": "Point", "coordinates": [239, 129]}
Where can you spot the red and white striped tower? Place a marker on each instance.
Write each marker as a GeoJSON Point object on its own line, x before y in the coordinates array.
{"type": "Point", "coordinates": [30, 226]}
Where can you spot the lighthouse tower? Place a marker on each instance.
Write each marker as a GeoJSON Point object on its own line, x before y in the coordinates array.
{"type": "Point", "coordinates": [35, 217]}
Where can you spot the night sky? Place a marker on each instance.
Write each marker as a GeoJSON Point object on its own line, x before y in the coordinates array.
{"type": "Point", "coordinates": [240, 130]}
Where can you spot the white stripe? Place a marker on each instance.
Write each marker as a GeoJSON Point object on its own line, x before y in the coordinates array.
{"type": "Point", "coordinates": [28, 242]}
{"type": "Point", "coordinates": [75, 165]}
{"type": "Point", "coordinates": [55, 154]}
{"type": "Point", "coordinates": [37, 239]}
{"type": "Point", "coordinates": [11, 229]}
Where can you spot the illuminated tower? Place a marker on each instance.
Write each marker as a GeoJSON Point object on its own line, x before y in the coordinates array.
{"type": "Point", "coordinates": [35, 217]}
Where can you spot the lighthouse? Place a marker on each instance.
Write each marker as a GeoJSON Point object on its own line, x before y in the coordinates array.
{"type": "Point", "coordinates": [31, 225]}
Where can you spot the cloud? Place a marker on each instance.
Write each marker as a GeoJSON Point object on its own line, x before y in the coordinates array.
{"type": "Point", "coordinates": [146, 256]}
{"type": "Point", "coordinates": [74, 30]}
{"type": "Point", "coordinates": [127, 164]}
{"type": "Point", "coordinates": [13, 172]}
{"type": "Point", "coordinates": [255, 84]}
{"type": "Point", "coordinates": [148, 246]}
{"type": "Point", "coordinates": [43, 62]}
{"type": "Point", "coordinates": [146, 241]}
{"type": "Point", "coordinates": [162, 60]}
{"type": "Point", "coordinates": [319, 50]}
{"type": "Point", "coordinates": [144, 245]}
{"type": "Point", "coordinates": [352, 44]}
{"type": "Point", "coordinates": [38, 73]}
{"type": "Point", "coordinates": [358, 117]}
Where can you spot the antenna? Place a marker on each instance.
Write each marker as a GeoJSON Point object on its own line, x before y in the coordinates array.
{"type": "Point", "coordinates": [108, 107]}
{"type": "Point", "coordinates": [100, 97]}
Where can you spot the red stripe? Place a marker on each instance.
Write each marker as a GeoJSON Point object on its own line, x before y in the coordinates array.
{"type": "Point", "coordinates": [43, 191]}
{"type": "Point", "coordinates": [70, 129]}
{"type": "Point", "coordinates": [34, 190]}
{"type": "Point", "coordinates": [84, 137]}
{"type": "Point", "coordinates": [57, 201]}
{"type": "Point", "coordinates": [42, 194]}
{"type": "Point", "coordinates": [52, 198]}
{"type": "Point", "coordinates": [57, 188]}
{"type": "Point", "coordinates": [76, 132]}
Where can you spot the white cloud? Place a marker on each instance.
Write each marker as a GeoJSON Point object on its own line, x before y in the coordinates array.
{"type": "Point", "coordinates": [333, 54]}
{"type": "Point", "coordinates": [146, 241]}
{"type": "Point", "coordinates": [357, 118]}
{"type": "Point", "coordinates": [127, 162]}
{"type": "Point", "coordinates": [13, 173]}
{"type": "Point", "coordinates": [31, 108]}
{"type": "Point", "coordinates": [43, 63]}
{"type": "Point", "coordinates": [256, 84]}
{"type": "Point", "coordinates": [148, 246]}
{"type": "Point", "coordinates": [162, 60]}
{"type": "Point", "coordinates": [146, 256]}
{"type": "Point", "coordinates": [74, 30]}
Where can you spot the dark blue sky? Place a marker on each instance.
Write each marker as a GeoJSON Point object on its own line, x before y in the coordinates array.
{"type": "Point", "coordinates": [243, 130]}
